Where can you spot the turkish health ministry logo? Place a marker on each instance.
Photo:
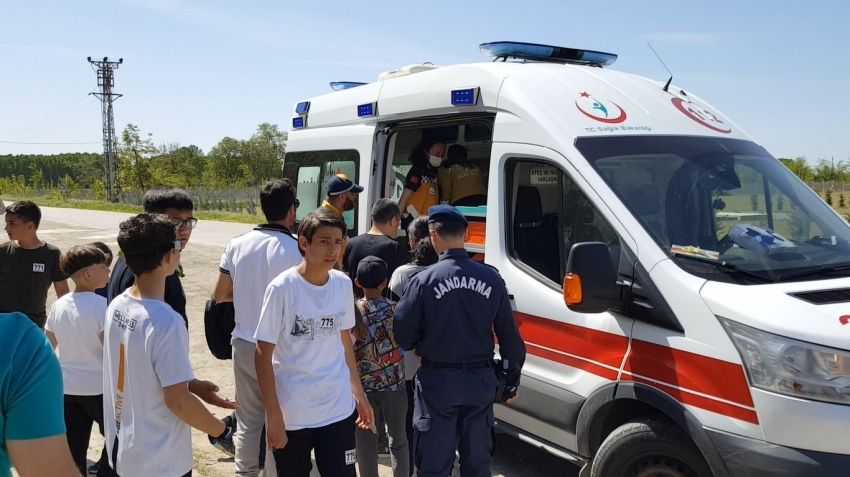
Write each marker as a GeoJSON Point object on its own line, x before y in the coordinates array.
{"type": "Point", "coordinates": [600, 110]}
{"type": "Point", "coordinates": [701, 115]}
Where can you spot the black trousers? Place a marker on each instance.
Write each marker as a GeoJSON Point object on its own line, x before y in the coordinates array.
{"type": "Point", "coordinates": [81, 412]}
{"type": "Point", "coordinates": [409, 386]}
{"type": "Point", "coordinates": [333, 444]}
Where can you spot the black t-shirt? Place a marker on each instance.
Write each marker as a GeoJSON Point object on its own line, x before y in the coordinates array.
{"type": "Point", "coordinates": [381, 246]}
{"type": "Point", "coordinates": [122, 278]}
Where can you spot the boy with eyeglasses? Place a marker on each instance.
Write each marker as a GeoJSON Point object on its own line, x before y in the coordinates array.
{"type": "Point", "coordinates": [178, 206]}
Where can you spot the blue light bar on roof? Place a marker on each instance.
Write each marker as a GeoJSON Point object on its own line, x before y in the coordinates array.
{"type": "Point", "coordinates": [465, 97]}
{"type": "Point", "coordinates": [342, 85]}
{"type": "Point", "coordinates": [557, 54]}
{"type": "Point", "coordinates": [299, 123]}
{"type": "Point", "coordinates": [302, 108]}
{"type": "Point", "coordinates": [366, 110]}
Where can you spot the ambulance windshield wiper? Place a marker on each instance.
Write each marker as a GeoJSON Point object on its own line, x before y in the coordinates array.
{"type": "Point", "coordinates": [725, 266]}
{"type": "Point", "coordinates": [817, 271]}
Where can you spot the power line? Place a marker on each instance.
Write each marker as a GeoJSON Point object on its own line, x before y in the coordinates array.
{"type": "Point", "coordinates": [49, 143]}
{"type": "Point", "coordinates": [38, 123]}
{"type": "Point", "coordinates": [61, 126]}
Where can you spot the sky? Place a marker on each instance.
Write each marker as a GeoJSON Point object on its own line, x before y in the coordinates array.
{"type": "Point", "coordinates": [197, 71]}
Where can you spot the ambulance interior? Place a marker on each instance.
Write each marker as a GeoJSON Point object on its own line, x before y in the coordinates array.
{"type": "Point", "coordinates": [548, 213]}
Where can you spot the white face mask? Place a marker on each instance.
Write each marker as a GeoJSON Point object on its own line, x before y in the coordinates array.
{"type": "Point", "coordinates": [435, 161]}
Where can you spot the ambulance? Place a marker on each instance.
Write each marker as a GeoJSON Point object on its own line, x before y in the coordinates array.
{"type": "Point", "coordinates": [682, 295]}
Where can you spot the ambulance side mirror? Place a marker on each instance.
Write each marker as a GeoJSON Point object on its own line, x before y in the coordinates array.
{"type": "Point", "coordinates": [590, 284]}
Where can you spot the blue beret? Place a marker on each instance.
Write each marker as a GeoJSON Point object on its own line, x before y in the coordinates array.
{"type": "Point", "coordinates": [439, 213]}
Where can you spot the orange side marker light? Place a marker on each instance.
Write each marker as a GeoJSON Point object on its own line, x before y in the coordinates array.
{"type": "Point", "coordinates": [572, 289]}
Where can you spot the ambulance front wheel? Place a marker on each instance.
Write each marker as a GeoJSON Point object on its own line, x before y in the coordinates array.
{"type": "Point", "coordinates": [649, 448]}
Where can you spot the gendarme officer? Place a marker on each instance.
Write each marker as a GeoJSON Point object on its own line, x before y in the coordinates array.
{"type": "Point", "coordinates": [448, 314]}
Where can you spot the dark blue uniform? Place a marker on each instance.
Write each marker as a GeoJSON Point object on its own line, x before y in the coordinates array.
{"type": "Point", "coordinates": [448, 314]}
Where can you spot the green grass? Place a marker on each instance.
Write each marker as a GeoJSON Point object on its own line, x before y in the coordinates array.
{"type": "Point", "coordinates": [48, 201]}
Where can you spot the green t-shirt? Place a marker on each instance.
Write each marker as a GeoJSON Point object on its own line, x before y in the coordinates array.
{"type": "Point", "coordinates": [31, 399]}
{"type": "Point", "coordinates": [25, 278]}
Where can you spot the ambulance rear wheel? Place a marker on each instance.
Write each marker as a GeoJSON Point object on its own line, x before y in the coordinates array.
{"type": "Point", "coordinates": [649, 448]}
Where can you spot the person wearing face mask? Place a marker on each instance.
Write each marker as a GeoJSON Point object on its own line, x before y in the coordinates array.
{"type": "Point", "coordinates": [342, 196]}
{"type": "Point", "coordinates": [420, 185]}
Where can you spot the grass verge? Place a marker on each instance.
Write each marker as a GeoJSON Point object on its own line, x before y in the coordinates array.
{"type": "Point", "coordinates": [132, 209]}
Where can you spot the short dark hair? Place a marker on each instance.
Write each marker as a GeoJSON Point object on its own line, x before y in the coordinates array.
{"type": "Point", "coordinates": [418, 229]}
{"type": "Point", "coordinates": [25, 210]}
{"type": "Point", "coordinates": [320, 217]}
{"type": "Point", "coordinates": [423, 253]}
{"type": "Point", "coordinates": [106, 250]}
{"type": "Point", "coordinates": [449, 228]}
{"type": "Point", "coordinates": [161, 198]}
{"type": "Point", "coordinates": [456, 153]}
{"type": "Point", "coordinates": [79, 257]}
{"type": "Point", "coordinates": [144, 239]}
{"type": "Point", "coordinates": [384, 211]}
{"type": "Point", "coordinates": [276, 198]}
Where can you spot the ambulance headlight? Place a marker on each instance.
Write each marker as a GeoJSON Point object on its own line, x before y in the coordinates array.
{"type": "Point", "coordinates": [796, 368]}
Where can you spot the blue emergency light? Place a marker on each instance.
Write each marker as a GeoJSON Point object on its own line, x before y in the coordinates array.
{"type": "Point", "coordinates": [554, 54]}
{"type": "Point", "coordinates": [302, 108]}
{"type": "Point", "coordinates": [366, 110]}
{"type": "Point", "coordinates": [299, 123]}
{"type": "Point", "coordinates": [342, 85]}
{"type": "Point", "coordinates": [465, 97]}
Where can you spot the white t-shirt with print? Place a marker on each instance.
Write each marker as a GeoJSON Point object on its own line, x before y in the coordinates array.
{"type": "Point", "coordinates": [253, 260]}
{"type": "Point", "coordinates": [146, 348]}
{"type": "Point", "coordinates": [304, 321]}
{"type": "Point", "coordinates": [77, 321]}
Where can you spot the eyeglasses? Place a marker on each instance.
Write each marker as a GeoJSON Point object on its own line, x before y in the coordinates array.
{"type": "Point", "coordinates": [297, 203]}
{"type": "Point", "coordinates": [178, 245]}
{"type": "Point", "coordinates": [189, 223]}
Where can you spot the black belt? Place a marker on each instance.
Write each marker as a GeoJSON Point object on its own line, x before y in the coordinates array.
{"type": "Point", "coordinates": [427, 363]}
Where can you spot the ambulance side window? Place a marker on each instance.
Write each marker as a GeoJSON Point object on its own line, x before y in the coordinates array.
{"type": "Point", "coordinates": [548, 215]}
{"type": "Point", "coordinates": [312, 171]}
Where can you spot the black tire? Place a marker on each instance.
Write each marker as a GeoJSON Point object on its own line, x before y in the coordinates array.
{"type": "Point", "coordinates": [649, 448]}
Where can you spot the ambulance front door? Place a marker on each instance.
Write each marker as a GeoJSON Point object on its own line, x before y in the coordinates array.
{"type": "Point", "coordinates": [543, 207]}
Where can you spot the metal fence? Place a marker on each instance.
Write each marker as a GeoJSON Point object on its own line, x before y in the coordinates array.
{"type": "Point", "coordinates": [241, 201]}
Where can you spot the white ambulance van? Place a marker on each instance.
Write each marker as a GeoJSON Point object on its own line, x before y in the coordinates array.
{"type": "Point", "coordinates": [682, 295]}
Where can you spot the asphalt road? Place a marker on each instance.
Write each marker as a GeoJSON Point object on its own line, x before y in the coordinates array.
{"type": "Point", "coordinates": [67, 227]}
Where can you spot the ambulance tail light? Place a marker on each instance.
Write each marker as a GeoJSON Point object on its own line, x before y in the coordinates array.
{"type": "Point", "coordinates": [572, 289]}
{"type": "Point", "coordinates": [794, 368]}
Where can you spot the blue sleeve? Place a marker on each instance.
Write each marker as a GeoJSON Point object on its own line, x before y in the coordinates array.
{"type": "Point", "coordinates": [408, 316]}
{"type": "Point", "coordinates": [34, 388]}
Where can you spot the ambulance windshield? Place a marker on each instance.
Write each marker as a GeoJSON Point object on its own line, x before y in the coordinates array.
{"type": "Point", "coordinates": [725, 209]}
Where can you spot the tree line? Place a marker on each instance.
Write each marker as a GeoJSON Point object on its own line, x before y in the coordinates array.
{"type": "Point", "coordinates": [142, 164]}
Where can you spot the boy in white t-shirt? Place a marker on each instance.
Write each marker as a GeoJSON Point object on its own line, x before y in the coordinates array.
{"type": "Point", "coordinates": [305, 358]}
{"type": "Point", "coordinates": [146, 363]}
{"type": "Point", "coordinates": [75, 327]}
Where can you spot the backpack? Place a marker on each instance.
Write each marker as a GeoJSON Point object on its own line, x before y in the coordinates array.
{"type": "Point", "coordinates": [219, 322]}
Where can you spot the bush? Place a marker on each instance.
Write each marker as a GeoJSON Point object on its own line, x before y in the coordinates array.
{"type": "Point", "coordinates": [780, 202]}
{"type": "Point", "coordinates": [841, 201]}
{"type": "Point", "coordinates": [754, 202]}
{"type": "Point", "coordinates": [828, 197]}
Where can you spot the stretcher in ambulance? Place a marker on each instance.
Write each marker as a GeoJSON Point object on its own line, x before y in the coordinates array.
{"type": "Point", "coordinates": [682, 295]}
